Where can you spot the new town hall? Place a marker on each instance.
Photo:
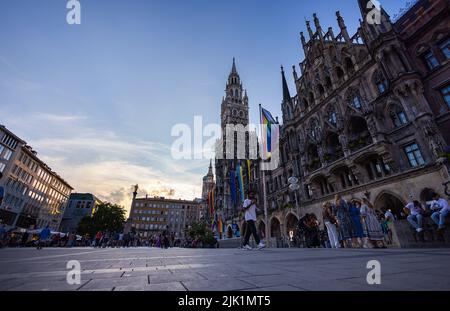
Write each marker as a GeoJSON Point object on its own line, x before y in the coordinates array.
{"type": "Point", "coordinates": [370, 118]}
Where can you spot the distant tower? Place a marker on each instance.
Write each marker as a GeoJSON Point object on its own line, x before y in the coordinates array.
{"type": "Point", "coordinates": [234, 111]}
{"type": "Point", "coordinates": [235, 104]}
{"type": "Point", "coordinates": [208, 182]}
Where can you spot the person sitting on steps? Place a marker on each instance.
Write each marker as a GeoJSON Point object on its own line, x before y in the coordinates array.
{"type": "Point", "coordinates": [441, 210]}
{"type": "Point", "coordinates": [415, 211]}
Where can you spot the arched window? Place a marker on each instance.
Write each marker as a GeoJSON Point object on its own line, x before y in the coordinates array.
{"type": "Point", "coordinates": [380, 81]}
{"type": "Point", "coordinates": [328, 83]}
{"type": "Point", "coordinates": [315, 129]}
{"type": "Point", "coordinates": [339, 73]}
{"type": "Point", "coordinates": [305, 103]}
{"type": "Point", "coordinates": [354, 99]}
{"type": "Point", "coordinates": [349, 65]}
{"type": "Point", "coordinates": [332, 116]}
{"type": "Point", "coordinates": [320, 89]}
{"type": "Point", "coordinates": [398, 116]}
{"type": "Point", "coordinates": [311, 97]}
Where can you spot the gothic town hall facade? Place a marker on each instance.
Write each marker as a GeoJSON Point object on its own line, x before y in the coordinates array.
{"type": "Point", "coordinates": [370, 117]}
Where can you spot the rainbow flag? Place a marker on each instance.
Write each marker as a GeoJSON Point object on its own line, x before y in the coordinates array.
{"type": "Point", "coordinates": [220, 225]}
{"type": "Point", "coordinates": [240, 181]}
{"type": "Point", "coordinates": [268, 134]}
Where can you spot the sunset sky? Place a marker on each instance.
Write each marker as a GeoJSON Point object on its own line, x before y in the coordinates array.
{"type": "Point", "coordinates": [97, 101]}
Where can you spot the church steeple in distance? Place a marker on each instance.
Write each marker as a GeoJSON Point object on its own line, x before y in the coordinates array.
{"type": "Point", "coordinates": [210, 172]}
{"type": "Point", "coordinates": [234, 91]}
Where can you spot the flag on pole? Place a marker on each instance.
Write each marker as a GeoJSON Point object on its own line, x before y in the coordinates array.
{"type": "Point", "coordinates": [249, 172]}
{"type": "Point", "coordinates": [233, 186]}
{"type": "Point", "coordinates": [269, 134]}
{"type": "Point", "coordinates": [220, 226]}
{"type": "Point", "coordinates": [241, 182]}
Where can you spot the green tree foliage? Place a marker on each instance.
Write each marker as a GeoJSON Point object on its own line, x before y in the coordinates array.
{"type": "Point", "coordinates": [202, 233]}
{"type": "Point", "coordinates": [107, 217]}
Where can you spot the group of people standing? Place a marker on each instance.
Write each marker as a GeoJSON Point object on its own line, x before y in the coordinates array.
{"type": "Point", "coordinates": [164, 239]}
{"type": "Point", "coordinates": [353, 224]}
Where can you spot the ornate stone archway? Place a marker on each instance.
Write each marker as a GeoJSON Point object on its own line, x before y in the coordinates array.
{"type": "Point", "coordinates": [389, 200]}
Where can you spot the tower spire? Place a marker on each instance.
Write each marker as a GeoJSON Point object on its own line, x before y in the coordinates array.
{"type": "Point", "coordinates": [343, 27]}
{"type": "Point", "coordinates": [304, 44]}
{"type": "Point", "coordinates": [210, 167]}
{"type": "Point", "coordinates": [286, 93]}
{"type": "Point", "coordinates": [318, 27]}
{"type": "Point", "coordinates": [311, 34]}
{"type": "Point", "coordinates": [233, 69]}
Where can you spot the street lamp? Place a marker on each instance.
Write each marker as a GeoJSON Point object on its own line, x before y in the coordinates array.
{"type": "Point", "coordinates": [294, 186]}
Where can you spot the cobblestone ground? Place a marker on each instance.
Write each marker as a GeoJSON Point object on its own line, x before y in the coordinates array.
{"type": "Point", "coordinates": [151, 269]}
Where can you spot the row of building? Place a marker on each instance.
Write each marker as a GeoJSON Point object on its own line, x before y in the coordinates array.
{"type": "Point", "coordinates": [34, 196]}
{"type": "Point", "coordinates": [370, 118]}
{"type": "Point", "coordinates": [150, 216]}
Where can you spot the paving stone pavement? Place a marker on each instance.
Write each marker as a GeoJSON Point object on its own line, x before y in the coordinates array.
{"type": "Point", "coordinates": [151, 269]}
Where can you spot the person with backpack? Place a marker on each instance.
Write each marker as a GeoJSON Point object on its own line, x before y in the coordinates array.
{"type": "Point", "coordinates": [250, 219]}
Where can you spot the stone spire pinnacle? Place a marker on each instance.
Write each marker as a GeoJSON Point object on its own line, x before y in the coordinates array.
{"type": "Point", "coordinates": [233, 69]}
{"type": "Point", "coordinates": [286, 93]}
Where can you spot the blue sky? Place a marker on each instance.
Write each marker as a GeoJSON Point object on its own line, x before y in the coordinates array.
{"type": "Point", "coordinates": [98, 100]}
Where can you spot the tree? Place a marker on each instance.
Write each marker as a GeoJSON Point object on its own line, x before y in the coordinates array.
{"type": "Point", "coordinates": [107, 217]}
{"type": "Point", "coordinates": [202, 233]}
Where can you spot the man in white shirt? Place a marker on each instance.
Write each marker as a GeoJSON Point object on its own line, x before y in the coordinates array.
{"type": "Point", "coordinates": [442, 209]}
{"type": "Point", "coordinates": [415, 210]}
{"type": "Point", "coordinates": [250, 219]}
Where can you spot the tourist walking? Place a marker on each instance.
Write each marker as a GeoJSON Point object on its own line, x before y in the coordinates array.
{"type": "Point", "coordinates": [250, 219]}
{"type": "Point", "coordinates": [373, 228]}
{"type": "Point", "coordinates": [330, 222]}
{"type": "Point", "coordinates": [344, 222]}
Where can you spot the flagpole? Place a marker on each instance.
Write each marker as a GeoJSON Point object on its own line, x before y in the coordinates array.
{"type": "Point", "coordinates": [267, 233]}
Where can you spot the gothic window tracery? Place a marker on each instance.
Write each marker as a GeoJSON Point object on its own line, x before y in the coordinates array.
{"type": "Point", "coordinates": [380, 81]}
{"type": "Point", "coordinates": [332, 115]}
{"type": "Point", "coordinates": [354, 99]}
{"type": "Point", "coordinates": [398, 115]}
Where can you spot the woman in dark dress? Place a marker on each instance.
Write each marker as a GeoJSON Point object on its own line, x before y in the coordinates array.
{"type": "Point", "coordinates": [358, 231]}
{"type": "Point", "coordinates": [344, 222]}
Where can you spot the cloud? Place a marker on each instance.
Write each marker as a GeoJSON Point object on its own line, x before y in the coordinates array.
{"type": "Point", "coordinates": [107, 164]}
{"type": "Point", "coordinates": [59, 118]}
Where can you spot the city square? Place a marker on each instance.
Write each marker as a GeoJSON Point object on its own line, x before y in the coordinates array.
{"type": "Point", "coordinates": [181, 157]}
{"type": "Point", "coordinates": [150, 269]}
